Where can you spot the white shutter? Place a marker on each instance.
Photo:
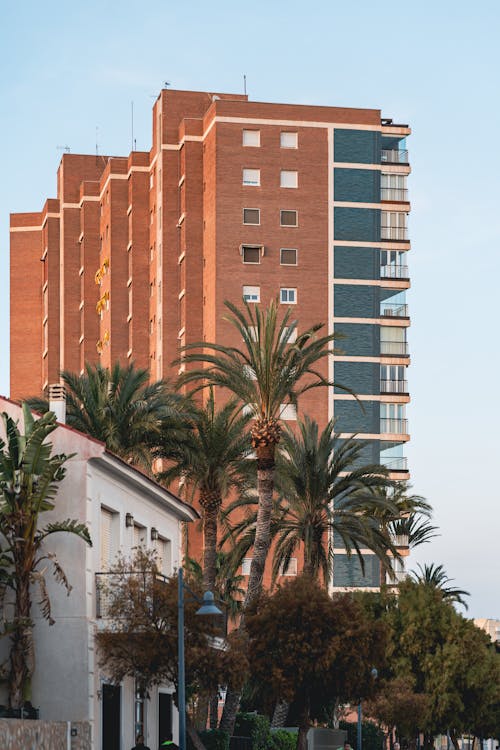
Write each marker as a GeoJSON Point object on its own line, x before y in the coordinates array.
{"type": "Point", "coordinates": [138, 536]}
{"type": "Point", "coordinates": [106, 525]}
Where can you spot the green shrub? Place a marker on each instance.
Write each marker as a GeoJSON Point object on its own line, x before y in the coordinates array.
{"type": "Point", "coordinates": [214, 739]}
{"type": "Point", "coordinates": [256, 727]}
{"type": "Point", "coordinates": [372, 737]}
{"type": "Point", "coordinates": [283, 740]}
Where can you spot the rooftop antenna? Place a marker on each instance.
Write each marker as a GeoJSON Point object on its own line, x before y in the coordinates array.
{"type": "Point", "coordinates": [132, 125]}
{"type": "Point", "coordinates": [166, 84]}
{"type": "Point", "coordinates": [96, 143]}
{"type": "Point", "coordinates": [64, 148]}
{"type": "Point", "coordinates": [244, 84]}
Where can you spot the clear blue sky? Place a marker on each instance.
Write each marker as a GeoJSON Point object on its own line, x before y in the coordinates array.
{"type": "Point", "coordinates": [67, 68]}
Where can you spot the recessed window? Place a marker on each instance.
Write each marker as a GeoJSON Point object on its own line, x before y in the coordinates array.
{"type": "Point", "coordinates": [289, 179]}
{"type": "Point", "coordinates": [289, 140]}
{"type": "Point", "coordinates": [290, 334]}
{"type": "Point", "coordinates": [251, 253]}
{"type": "Point", "coordinates": [251, 293]}
{"type": "Point", "coordinates": [288, 296]}
{"type": "Point", "coordinates": [251, 177]}
{"type": "Point", "coordinates": [288, 256]}
{"type": "Point", "coordinates": [251, 137]}
{"type": "Point", "coordinates": [288, 412]}
{"type": "Point", "coordinates": [291, 568]}
{"type": "Point", "coordinates": [245, 566]}
{"type": "Point", "coordinates": [251, 216]}
{"type": "Point", "coordinates": [289, 218]}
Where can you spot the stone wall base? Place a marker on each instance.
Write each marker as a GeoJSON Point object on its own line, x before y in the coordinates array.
{"type": "Point", "coordinates": [24, 734]}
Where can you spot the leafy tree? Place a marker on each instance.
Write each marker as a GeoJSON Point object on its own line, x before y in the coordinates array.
{"type": "Point", "coordinates": [228, 585]}
{"type": "Point", "coordinates": [141, 640]}
{"type": "Point", "coordinates": [29, 478]}
{"type": "Point", "coordinates": [212, 459]}
{"type": "Point", "coordinates": [310, 649]}
{"type": "Point", "coordinates": [119, 407]}
{"type": "Point", "coordinates": [434, 576]}
{"type": "Point", "coordinates": [324, 491]}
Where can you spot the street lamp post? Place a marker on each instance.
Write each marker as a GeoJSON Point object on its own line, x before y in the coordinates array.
{"type": "Point", "coordinates": [359, 737]}
{"type": "Point", "coordinates": [208, 607]}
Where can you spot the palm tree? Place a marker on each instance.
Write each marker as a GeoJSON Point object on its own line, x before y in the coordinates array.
{"type": "Point", "coordinates": [120, 408]}
{"type": "Point", "coordinates": [435, 576]}
{"type": "Point", "coordinates": [325, 494]}
{"type": "Point", "coordinates": [29, 478]}
{"type": "Point", "coordinates": [266, 373]}
{"type": "Point", "coordinates": [212, 459]}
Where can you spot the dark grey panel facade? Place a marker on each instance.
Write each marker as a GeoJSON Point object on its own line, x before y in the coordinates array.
{"type": "Point", "coordinates": [360, 339]}
{"type": "Point", "coordinates": [354, 416]}
{"type": "Point", "coordinates": [347, 571]}
{"type": "Point", "coordinates": [362, 377]}
{"type": "Point", "coordinates": [352, 301]}
{"type": "Point", "coordinates": [357, 146]}
{"type": "Point", "coordinates": [356, 224]}
{"type": "Point", "coordinates": [356, 185]}
{"type": "Point", "coordinates": [356, 262]}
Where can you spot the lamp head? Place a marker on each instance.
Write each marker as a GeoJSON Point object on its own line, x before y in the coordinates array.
{"type": "Point", "coordinates": [208, 606]}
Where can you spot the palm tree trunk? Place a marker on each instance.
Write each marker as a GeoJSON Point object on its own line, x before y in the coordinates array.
{"type": "Point", "coordinates": [265, 487]}
{"type": "Point", "coordinates": [304, 724]}
{"type": "Point", "coordinates": [209, 547]}
{"type": "Point", "coordinates": [214, 711]}
{"type": "Point", "coordinates": [22, 649]}
{"type": "Point", "coordinates": [231, 705]}
{"type": "Point", "coordinates": [280, 714]}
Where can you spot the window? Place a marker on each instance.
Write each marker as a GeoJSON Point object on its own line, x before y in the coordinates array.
{"type": "Point", "coordinates": [291, 568]}
{"type": "Point", "coordinates": [106, 528]}
{"type": "Point", "coordinates": [251, 253]}
{"type": "Point", "coordinates": [251, 216]}
{"type": "Point", "coordinates": [289, 179]}
{"type": "Point", "coordinates": [251, 177]}
{"type": "Point", "coordinates": [288, 412]}
{"type": "Point", "coordinates": [289, 140]}
{"type": "Point", "coordinates": [290, 333]}
{"type": "Point", "coordinates": [251, 137]}
{"type": "Point", "coordinates": [289, 218]}
{"type": "Point", "coordinates": [288, 296]}
{"type": "Point", "coordinates": [288, 256]}
{"type": "Point", "coordinates": [245, 566]}
{"type": "Point", "coordinates": [138, 536]}
{"type": "Point", "coordinates": [251, 293]}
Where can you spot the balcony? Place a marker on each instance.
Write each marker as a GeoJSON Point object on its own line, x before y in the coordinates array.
{"type": "Point", "coordinates": [393, 386]}
{"type": "Point", "coordinates": [398, 576]}
{"type": "Point", "coordinates": [393, 426]}
{"type": "Point", "coordinates": [394, 272]}
{"type": "Point", "coordinates": [394, 156]}
{"type": "Point", "coordinates": [393, 310]}
{"type": "Point", "coordinates": [394, 348]}
{"type": "Point", "coordinates": [394, 194]}
{"type": "Point", "coordinates": [107, 583]}
{"type": "Point", "coordinates": [400, 540]}
{"type": "Point", "coordinates": [395, 464]}
{"type": "Point", "coordinates": [393, 233]}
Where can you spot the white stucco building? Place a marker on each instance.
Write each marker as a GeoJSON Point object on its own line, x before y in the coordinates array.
{"type": "Point", "coordinates": [122, 509]}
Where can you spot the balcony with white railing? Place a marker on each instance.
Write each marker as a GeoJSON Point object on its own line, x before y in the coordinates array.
{"type": "Point", "coordinates": [394, 309]}
{"type": "Point", "coordinates": [393, 426]}
{"type": "Point", "coordinates": [394, 272]}
{"type": "Point", "coordinates": [388, 232]}
{"type": "Point", "coordinates": [394, 348]}
{"type": "Point", "coordinates": [393, 386]}
{"type": "Point", "coordinates": [400, 540]}
{"type": "Point", "coordinates": [394, 156]}
{"type": "Point", "coordinates": [394, 194]}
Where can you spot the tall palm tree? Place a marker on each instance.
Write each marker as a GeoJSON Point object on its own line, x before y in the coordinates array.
{"type": "Point", "coordinates": [326, 494]}
{"type": "Point", "coordinates": [29, 479]}
{"type": "Point", "coordinates": [119, 407]}
{"type": "Point", "coordinates": [212, 459]}
{"type": "Point", "coordinates": [268, 371]}
{"type": "Point", "coordinates": [435, 576]}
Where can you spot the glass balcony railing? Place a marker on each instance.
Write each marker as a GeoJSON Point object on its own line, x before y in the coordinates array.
{"type": "Point", "coordinates": [394, 156]}
{"type": "Point", "coordinates": [393, 233]}
{"type": "Point", "coordinates": [394, 348]}
{"type": "Point", "coordinates": [394, 272]}
{"type": "Point", "coordinates": [393, 310]}
{"type": "Point", "coordinates": [393, 426]}
{"type": "Point", "coordinates": [395, 464]}
{"type": "Point", "coordinates": [393, 194]}
{"type": "Point", "coordinates": [400, 540]}
{"type": "Point", "coordinates": [393, 386]}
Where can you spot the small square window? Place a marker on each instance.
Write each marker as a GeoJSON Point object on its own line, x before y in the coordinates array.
{"type": "Point", "coordinates": [288, 296]}
{"type": "Point", "coordinates": [251, 293]}
{"type": "Point", "coordinates": [288, 412]}
{"type": "Point", "coordinates": [289, 218]}
{"type": "Point", "coordinates": [251, 216]}
{"type": "Point", "coordinates": [251, 137]}
{"type": "Point", "coordinates": [289, 179]}
{"type": "Point", "coordinates": [289, 140]}
{"type": "Point", "coordinates": [251, 177]}
{"type": "Point", "coordinates": [245, 566]}
{"type": "Point", "coordinates": [291, 569]}
{"type": "Point", "coordinates": [251, 253]}
{"type": "Point", "coordinates": [290, 333]}
{"type": "Point", "coordinates": [288, 256]}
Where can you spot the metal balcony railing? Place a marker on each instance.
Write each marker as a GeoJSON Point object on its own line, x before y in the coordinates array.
{"type": "Point", "coordinates": [106, 583]}
{"type": "Point", "coordinates": [395, 464]}
{"type": "Point", "coordinates": [394, 156]}
{"type": "Point", "coordinates": [393, 310]}
{"type": "Point", "coordinates": [394, 348]}
{"type": "Point", "coordinates": [393, 233]}
{"type": "Point", "coordinates": [393, 386]}
{"type": "Point", "coordinates": [393, 194]}
{"type": "Point", "coordinates": [398, 577]}
{"type": "Point", "coordinates": [394, 272]}
{"type": "Point", "coordinates": [400, 540]}
{"type": "Point", "coordinates": [393, 426]}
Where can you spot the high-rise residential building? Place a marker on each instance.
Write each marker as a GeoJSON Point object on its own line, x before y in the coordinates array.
{"type": "Point", "coordinates": [236, 199]}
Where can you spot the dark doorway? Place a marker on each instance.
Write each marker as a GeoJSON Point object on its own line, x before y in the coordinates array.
{"type": "Point", "coordinates": [111, 717]}
{"type": "Point", "coordinates": [164, 717]}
